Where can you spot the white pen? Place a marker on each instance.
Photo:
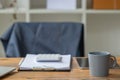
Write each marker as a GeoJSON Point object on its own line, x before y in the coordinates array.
{"type": "Point", "coordinates": [21, 61]}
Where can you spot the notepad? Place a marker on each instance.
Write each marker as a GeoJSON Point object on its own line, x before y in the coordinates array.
{"type": "Point", "coordinates": [30, 63]}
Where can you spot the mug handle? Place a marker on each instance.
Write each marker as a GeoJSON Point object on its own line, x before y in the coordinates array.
{"type": "Point", "coordinates": [113, 62]}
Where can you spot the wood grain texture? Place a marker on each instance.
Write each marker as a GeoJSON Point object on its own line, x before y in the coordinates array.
{"type": "Point", "coordinates": [75, 74]}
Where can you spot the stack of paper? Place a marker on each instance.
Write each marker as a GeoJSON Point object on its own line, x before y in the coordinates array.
{"type": "Point", "coordinates": [30, 63]}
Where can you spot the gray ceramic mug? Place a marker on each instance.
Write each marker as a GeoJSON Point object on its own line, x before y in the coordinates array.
{"type": "Point", "coordinates": [99, 63]}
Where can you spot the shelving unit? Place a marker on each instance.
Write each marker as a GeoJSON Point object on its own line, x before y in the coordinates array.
{"type": "Point", "coordinates": [102, 27]}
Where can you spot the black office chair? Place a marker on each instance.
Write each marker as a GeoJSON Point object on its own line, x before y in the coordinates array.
{"type": "Point", "coordinates": [44, 37]}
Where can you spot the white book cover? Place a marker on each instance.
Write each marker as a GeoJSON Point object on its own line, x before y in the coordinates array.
{"type": "Point", "coordinates": [30, 63]}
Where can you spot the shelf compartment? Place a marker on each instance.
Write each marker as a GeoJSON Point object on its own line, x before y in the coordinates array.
{"type": "Point", "coordinates": [9, 20]}
{"type": "Point", "coordinates": [56, 18]}
{"type": "Point", "coordinates": [103, 4]}
{"type": "Point", "coordinates": [21, 4]}
{"type": "Point", "coordinates": [61, 4]}
{"type": "Point", "coordinates": [42, 4]}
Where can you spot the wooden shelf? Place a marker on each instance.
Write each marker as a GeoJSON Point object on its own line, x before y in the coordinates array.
{"type": "Point", "coordinates": [103, 11]}
{"type": "Point", "coordinates": [11, 10]}
{"type": "Point", "coordinates": [41, 11]}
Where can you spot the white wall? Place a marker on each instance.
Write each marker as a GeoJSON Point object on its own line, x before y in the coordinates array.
{"type": "Point", "coordinates": [103, 33]}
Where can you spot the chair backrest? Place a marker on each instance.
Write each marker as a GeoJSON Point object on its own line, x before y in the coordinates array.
{"type": "Point", "coordinates": [44, 37]}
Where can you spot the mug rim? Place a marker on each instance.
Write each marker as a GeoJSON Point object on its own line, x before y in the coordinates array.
{"type": "Point", "coordinates": [99, 53]}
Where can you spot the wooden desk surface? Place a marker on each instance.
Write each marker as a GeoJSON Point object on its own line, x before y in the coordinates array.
{"type": "Point", "coordinates": [75, 74]}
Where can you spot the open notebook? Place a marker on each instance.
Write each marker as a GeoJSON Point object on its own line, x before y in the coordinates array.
{"type": "Point", "coordinates": [30, 63]}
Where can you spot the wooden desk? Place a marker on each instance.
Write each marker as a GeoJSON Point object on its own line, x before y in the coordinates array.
{"type": "Point", "coordinates": [75, 74]}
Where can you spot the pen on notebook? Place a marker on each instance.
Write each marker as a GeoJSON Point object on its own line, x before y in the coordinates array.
{"type": "Point", "coordinates": [21, 61]}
